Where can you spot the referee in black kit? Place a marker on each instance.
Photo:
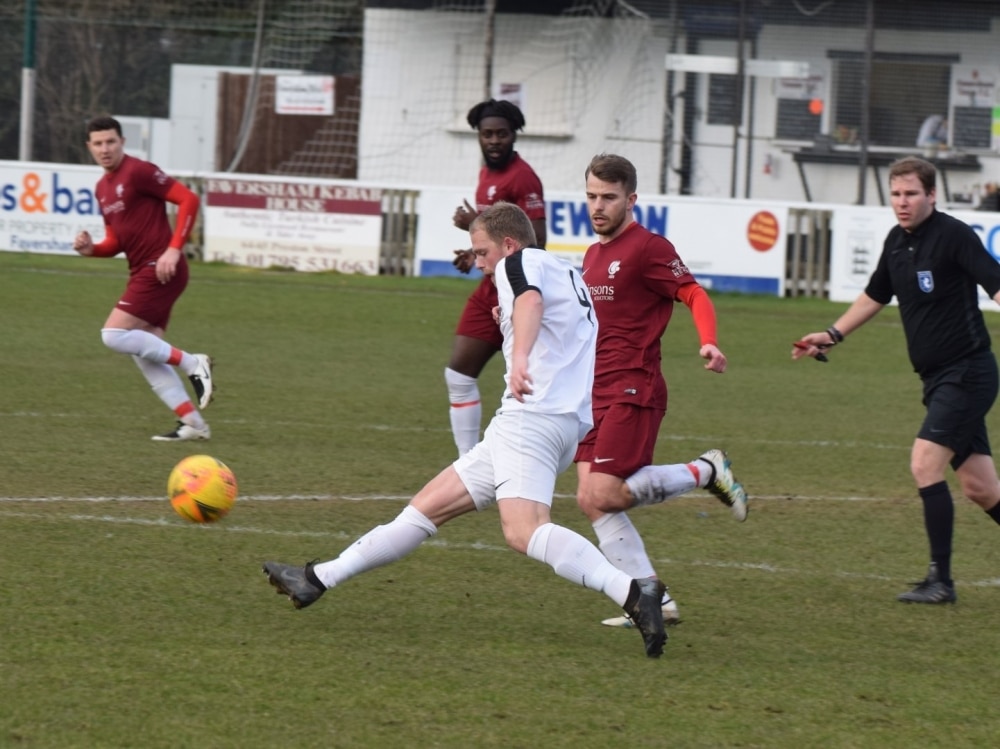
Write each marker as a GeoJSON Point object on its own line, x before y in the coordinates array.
{"type": "Point", "coordinates": [932, 263]}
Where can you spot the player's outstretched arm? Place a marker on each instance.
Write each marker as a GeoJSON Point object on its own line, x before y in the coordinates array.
{"type": "Point", "coordinates": [862, 309]}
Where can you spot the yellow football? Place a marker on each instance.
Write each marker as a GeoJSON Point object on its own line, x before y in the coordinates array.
{"type": "Point", "coordinates": [201, 489]}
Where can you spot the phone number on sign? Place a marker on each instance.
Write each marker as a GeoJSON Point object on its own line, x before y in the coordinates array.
{"type": "Point", "coordinates": [295, 262]}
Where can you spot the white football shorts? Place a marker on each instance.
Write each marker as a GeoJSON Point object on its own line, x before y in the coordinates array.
{"type": "Point", "coordinates": [520, 455]}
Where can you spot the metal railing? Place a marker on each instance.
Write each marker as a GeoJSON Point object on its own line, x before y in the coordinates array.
{"type": "Point", "coordinates": [807, 268]}
{"type": "Point", "coordinates": [399, 232]}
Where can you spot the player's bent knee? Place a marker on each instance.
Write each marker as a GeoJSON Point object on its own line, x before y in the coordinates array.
{"type": "Point", "coordinates": [980, 492]}
{"type": "Point", "coordinates": [116, 340]}
{"type": "Point", "coordinates": [517, 545]}
{"type": "Point", "coordinates": [601, 503]}
{"type": "Point", "coordinates": [516, 539]}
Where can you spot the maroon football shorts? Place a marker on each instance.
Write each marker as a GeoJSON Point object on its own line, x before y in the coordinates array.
{"type": "Point", "coordinates": [477, 317]}
{"type": "Point", "coordinates": [622, 440]}
{"type": "Point", "coordinates": [148, 299]}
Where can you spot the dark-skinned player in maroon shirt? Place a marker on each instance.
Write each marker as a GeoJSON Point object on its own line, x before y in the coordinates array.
{"type": "Point", "coordinates": [505, 177]}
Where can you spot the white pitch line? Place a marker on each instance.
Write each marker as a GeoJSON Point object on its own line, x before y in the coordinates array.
{"type": "Point", "coordinates": [242, 498]}
{"type": "Point", "coordinates": [449, 545]}
{"type": "Point", "coordinates": [402, 497]}
{"type": "Point", "coordinates": [422, 429]}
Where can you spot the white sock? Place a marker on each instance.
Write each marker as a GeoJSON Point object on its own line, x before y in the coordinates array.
{"type": "Point", "coordinates": [188, 363]}
{"type": "Point", "coordinates": [137, 343]}
{"type": "Point", "coordinates": [147, 346]}
{"type": "Point", "coordinates": [379, 546]}
{"type": "Point", "coordinates": [706, 471]}
{"type": "Point", "coordinates": [576, 559]}
{"type": "Point", "coordinates": [621, 543]}
{"type": "Point", "coordinates": [163, 379]}
{"type": "Point", "coordinates": [466, 410]}
{"type": "Point", "coordinates": [653, 484]}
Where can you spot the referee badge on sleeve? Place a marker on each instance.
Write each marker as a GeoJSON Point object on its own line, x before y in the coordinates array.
{"type": "Point", "coordinates": [925, 279]}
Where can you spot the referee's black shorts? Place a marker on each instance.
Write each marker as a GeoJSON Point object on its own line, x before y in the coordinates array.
{"type": "Point", "coordinates": [957, 398]}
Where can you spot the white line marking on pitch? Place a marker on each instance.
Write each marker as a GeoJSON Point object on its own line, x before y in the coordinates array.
{"type": "Point", "coordinates": [440, 544]}
{"type": "Point", "coordinates": [400, 497]}
{"type": "Point", "coordinates": [825, 444]}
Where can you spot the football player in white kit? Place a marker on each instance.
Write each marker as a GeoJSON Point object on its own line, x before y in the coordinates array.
{"type": "Point", "coordinates": [549, 332]}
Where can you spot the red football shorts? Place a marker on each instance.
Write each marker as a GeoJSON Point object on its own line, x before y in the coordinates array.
{"type": "Point", "coordinates": [477, 317]}
{"type": "Point", "coordinates": [622, 440]}
{"type": "Point", "coordinates": [148, 299]}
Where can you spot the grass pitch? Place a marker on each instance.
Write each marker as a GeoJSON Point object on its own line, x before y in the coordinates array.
{"type": "Point", "coordinates": [123, 626]}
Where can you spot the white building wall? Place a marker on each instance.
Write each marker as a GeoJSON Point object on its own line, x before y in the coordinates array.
{"type": "Point", "coordinates": [581, 95]}
{"type": "Point", "coordinates": [194, 107]}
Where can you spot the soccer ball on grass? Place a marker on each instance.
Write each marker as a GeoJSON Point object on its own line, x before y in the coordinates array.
{"type": "Point", "coordinates": [201, 489]}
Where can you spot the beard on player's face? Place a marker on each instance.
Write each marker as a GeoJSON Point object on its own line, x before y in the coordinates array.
{"type": "Point", "coordinates": [607, 222]}
{"type": "Point", "coordinates": [498, 156]}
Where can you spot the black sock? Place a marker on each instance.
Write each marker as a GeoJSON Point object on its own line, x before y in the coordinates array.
{"type": "Point", "coordinates": [939, 521]}
{"type": "Point", "coordinates": [994, 512]}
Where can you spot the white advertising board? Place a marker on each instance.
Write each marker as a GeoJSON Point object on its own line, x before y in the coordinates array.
{"type": "Point", "coordinates": [859, 233]}
{"type": "Point", "coordinates": [307, 225]}
{"type": "Point", "coordinates": [304, 94]}
{"type": "Point", "coordinates": [43, 206]}
{"type": "Point", "coordinates": [729, 246]}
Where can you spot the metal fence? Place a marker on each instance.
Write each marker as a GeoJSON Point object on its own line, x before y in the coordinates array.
{"type": "Point", "coordinates": [766, 99]}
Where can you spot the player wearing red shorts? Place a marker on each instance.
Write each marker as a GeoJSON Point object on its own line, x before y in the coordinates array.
{"type": "Point", "coordinates": [505, 177]}
{"type": "Point", "coordinates": [634, 277]}
{"type": "Point", "coordinates": [133, 194]}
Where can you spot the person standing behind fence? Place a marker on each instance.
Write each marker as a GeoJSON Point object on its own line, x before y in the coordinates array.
{"type": "Point", "coordinates": [933, 263]}
{"type": "Point", "coordinates": [133, 194]}
{"type": "Point", "coordinates": [504, 177]}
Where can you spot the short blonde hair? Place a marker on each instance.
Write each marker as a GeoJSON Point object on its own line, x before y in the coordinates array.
{"type": "Point", "coordinates": [502, 220]}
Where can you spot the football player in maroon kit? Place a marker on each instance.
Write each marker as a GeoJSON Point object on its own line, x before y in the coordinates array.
{"type": "Point", "coordinates": [634, 277]}
{"type": "Point", "coordinates": [504, 177]}
{"type": "Point", "coordinates": [133, 195]}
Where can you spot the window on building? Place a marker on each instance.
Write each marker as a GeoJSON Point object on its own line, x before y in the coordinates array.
{"type": "Point", "coordinates": [905, 89]}
{"type": "Point", "coordinates": [723, 99]}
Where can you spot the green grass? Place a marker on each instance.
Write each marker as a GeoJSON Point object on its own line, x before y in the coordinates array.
{"type": "Point", "coordinates": [122, 626]}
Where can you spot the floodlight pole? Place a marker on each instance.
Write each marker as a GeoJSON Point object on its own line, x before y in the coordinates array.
{"type": "Point", "coordinates": [866, 102]}
{"type": "Point", "coordinates": [27, 83]}
{"type": "Point", "coordinates": [738, 104]}
{"type": "Point", "coordinates": [491, 18]}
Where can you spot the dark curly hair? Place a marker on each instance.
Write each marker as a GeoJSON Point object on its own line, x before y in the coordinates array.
{"type": "Point", "coordinates": [494, 108]}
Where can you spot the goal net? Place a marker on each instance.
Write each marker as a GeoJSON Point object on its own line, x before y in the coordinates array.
{"type": "Point", "coordinates": [589, 79]}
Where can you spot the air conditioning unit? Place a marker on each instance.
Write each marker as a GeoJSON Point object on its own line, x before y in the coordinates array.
{"type": "Point", "coordinates": [137, 132]}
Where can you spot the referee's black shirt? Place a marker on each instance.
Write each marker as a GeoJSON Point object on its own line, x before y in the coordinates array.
{"type": "Point", "coordinates": [933, 272]}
